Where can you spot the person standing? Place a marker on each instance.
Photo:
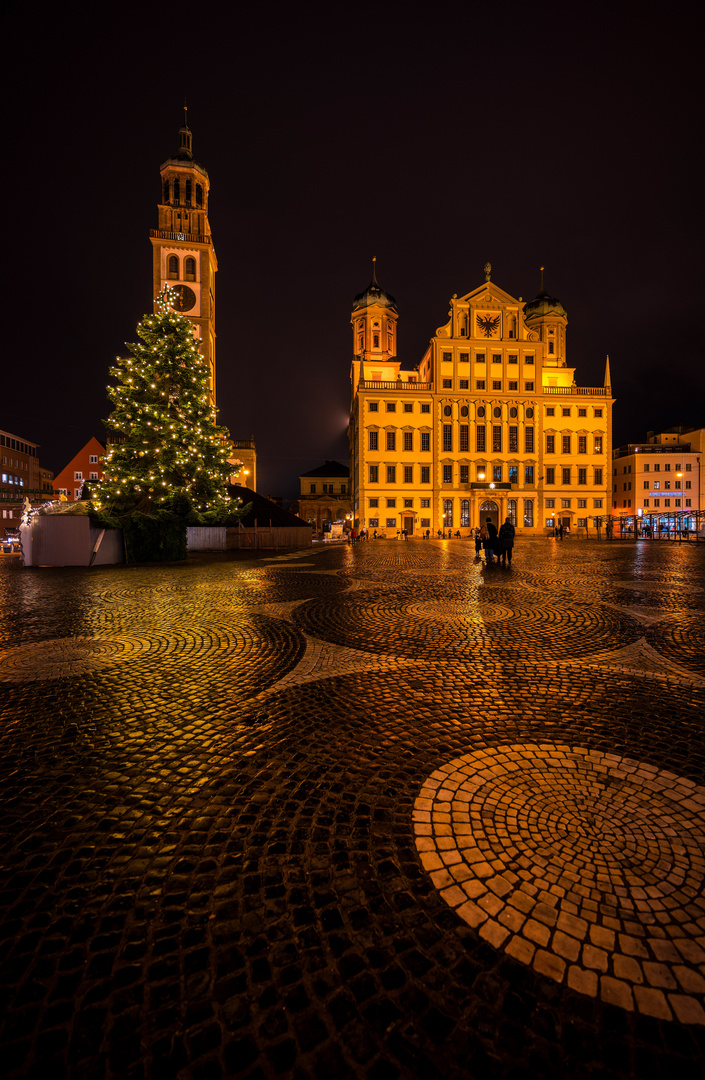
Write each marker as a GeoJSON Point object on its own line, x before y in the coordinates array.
{"type": "Point", "coordinates": [478, 542]}
{"type": "Point", "coordinates": [506, 541]}
{"type": "Point", "coordinates": [489, 539]}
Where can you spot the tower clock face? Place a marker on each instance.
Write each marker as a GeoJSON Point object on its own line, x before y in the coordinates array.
{"type": "Point", "coordinates": [184, 298]}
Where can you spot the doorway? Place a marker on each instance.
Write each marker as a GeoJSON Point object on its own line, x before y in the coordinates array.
{"type": "Point", "coordinates": [489, 510]}
{"type": "Point", "coordinates": [409, 526]}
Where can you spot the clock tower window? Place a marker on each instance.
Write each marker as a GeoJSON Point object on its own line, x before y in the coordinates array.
{"type": "Point", "coordinates": [188, 190]}
{"type": "Point", "coordinates": [176, 189]}
{"type": "Point", "coordinates": [173, 267]}
{"type": "Point", "coordinates": [166, 191]}
{"type": "Point", "coordinates": [199, 195]}
{"type": "Point", "coordinates": [190, 269]}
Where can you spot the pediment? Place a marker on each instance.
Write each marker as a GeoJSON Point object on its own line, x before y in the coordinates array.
{"type": "Point", "coordinates": [489, 295]}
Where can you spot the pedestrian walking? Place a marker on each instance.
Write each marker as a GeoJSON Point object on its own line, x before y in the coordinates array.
{"type": "Point", "coordinates": [478, 542]}
{"type": "Point", "coordinates": [506, 541]}
{"type": "Point", "coordinates": [560, 531]}
{"type": "Point", "coordinates": [489, 539]}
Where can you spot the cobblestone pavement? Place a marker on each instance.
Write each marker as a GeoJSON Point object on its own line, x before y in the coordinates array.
{"type": "Point", "coordinates": [375, 811]}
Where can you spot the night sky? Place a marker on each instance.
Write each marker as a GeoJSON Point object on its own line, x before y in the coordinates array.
{"type": "Point", "coordinates": [566, 135]}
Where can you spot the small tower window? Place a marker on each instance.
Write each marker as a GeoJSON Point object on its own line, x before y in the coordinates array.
{"type": "Point", "coordinates": [188, 190]}
{"type": "Point", "coordinates": [176, 189]}
{"type": "Point", "coordinates": [166, 191]}
{"type": "Point", "coordinates": [173, 267]}
{"type": "Point", "coordinates": [199, 194]}
{"type": "Point", "coordinates": [375, 342]}
{"type": "Point", "coordinates": [190, 269]}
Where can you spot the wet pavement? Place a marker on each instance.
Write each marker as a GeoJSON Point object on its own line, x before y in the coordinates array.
{"type": "Point", "coordinates": [375, 811]}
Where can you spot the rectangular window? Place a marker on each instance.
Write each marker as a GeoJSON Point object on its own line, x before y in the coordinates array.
{"type": "Point", "coordinates": [425, 474]}
{"type": "Point", "coordinates": [528, 387]}
{"type": "Point", "coordinates": [479, 384]}
{"type": "Point", "coordinates": [374, 502]}
{"type": "Point", "coordinates": [312, 488]}
{"type": "Point", "coordinates": [374, 440]}
{"type": "Point", "coordinates": [550, 523]}
{"type": "Point", "coordinates": [78, 476]}
{"type": "Point", "coordinates": [373, 406]}
{"type": "Point", "coordinates": [529, 512]}
{"type": "Point", "coordinates": [528, 474]}
{"type": "Point", "coordinates": [582, 476]}
{"type": "Point", "coordinates": [374, 474]}
{"type": "Point", "coordinates": [496, 474]}
{"type": "Point", "coordinates": [582, 412]}
{"type": "Point", "coordinates": [582, 444]}
{"type": "Point", "coordinates": [408, 407]}
{"type": "Point", "coordinates": [528, 359]}
{"type": "Point", "coordinates": [425, 504]}
{"type": "Point", "coordinates": [447, 474]}
{"type": "Point", "coordinates": [565, 504]}
{"type": "Point", "coordinates": [513, 439]}
{"type": "Point", "coordinates": [550, 411]}
{"type": "Point", "coordinates": [391, 474]}
{"type": "Point", "coordinates": [688, 502]}
{"type": "Point", "coordinates": [447, 436]}
{"type": "Point", "coordinates": [656, 484]}
{"type": "Point", "coordinates": [464, 512]}
{"type": "Point", "coordinates": [391, 440]}
{"type": "Point", "coordinates": [94, 476]}
{"type": "Point", "coordinates": [391, 504]}
{"type": "Point", "coordinates": [689, 483]}
{"type": "Point", "coordinates": [496, 358]}
{"type": "Point", "coordinates": [598, 477]}
{"type": "Point", "coordinates": [464, 438]}
{"type": "Point", "coordinates": [647, 467]}
{"type": "Point", "coordinates": [566, 476]}
{"type": "Point", "coordinates": [582, 523]}
{"type": "Point", "coordinates": [646, 502]}
{"type": "Point", "coordinates": [597, 503]}
{"type": "Point", "coordinates": [598, 412]}
{"type": "Point", "coordinates": [566, 444]}
{"type": "Point", "coordinates": [666, 502]}
{"type": "Point", "coordinates": [598, 444]}
{"type": "Point", "coordinates": [425, 522]}
{"type": "Point", "coordinates": [374, 523]}
{"type": "Point", "coordinates": [480, 439]}
{"type": "Point", "coordinates": [550, 475]}
{"type": "Point", "coordinates": [464, 384]}
{"type": "Point", "coordinates": [667, 467]}
{"type": "Point", "coordinates": [447, 384]}
{"type": "Point", "coordinates": [496, 384]}
{"type": "Point", "coordinates": [391, 406]}
{"type": "Point", "coordinates": [513, 474]}
{"type": "Point", "coordinates": [447, 357]}
{"type": "Point", "coordinates": [678, 502]}
{"type": "Point", "coordinates": [425, 407]}
{"type": "Point", "coordinates": [464, 474]}
{"type": "Point", "coordinates": [550, 503]}
{"type": "Point", "coordinates": [408, 502]}
{"type": "Point", "coordinates": [528, 440]}
{"type": "Point", "coordinates": [565, 412]}
{"type": "Point", "coordinates": [657, 467]}
{"type": "Point", "coordinates": [646, 485]}
{"type": "Point", "coordinates": [582, 503]}
{"type": "Point", "coordinates": [408, 474]}
{"type": "Point", "coordinates": [512, 358]}
{"type": "Point", "coordinates": [408, 440]}
{"type": "Point", "coordinates": [464, 357]}
{"type": "Point", "coordinates": [391, 522]}
{"type": "Point", "coordinates": [688, 467]}
{"type": "Point", "coordinates": [479, 358]}
{"type": "Point", "coordinates": [550, 444]}
{"type": "Point", "coordinates": [425, 441]}
{"type": "Point", "coordinates": [343, 489]}
{"type": "Point", "coordinates": [497, 438]}
{"type": "Point", "coordinates": [513, 384]}
{"type": "Point", "coordinates": [93, 459]}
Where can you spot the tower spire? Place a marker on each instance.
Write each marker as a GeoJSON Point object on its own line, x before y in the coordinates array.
{"type": "Point", "coordinates": [185, 137]}
{"type": "Point", "coordinates": [608, 377]}
{"type": "Point", "coordinates": [375, 283]}
{"type": "Point", "coordinates": [542, 289]}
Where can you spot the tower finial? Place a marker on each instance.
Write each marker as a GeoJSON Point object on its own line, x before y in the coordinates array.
{"type": "Point", "coordinates": [185, 137]}
{"type": "Point", "coordinates": [488, 271]}
{"type": "Point", "coordinates": [541, 289]}
{"type": "Point", "coordinates": [608, 376]}
{"type": "Point", "coordinates": [374, 271]}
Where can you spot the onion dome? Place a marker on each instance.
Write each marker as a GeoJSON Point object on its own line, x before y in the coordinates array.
{"type": "Point", "coordinates": [374, 294]}
{"type": "Point", "coordinates": [543, 305]}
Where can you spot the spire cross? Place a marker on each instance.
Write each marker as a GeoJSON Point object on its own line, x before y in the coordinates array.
{"type": "Point", "coordinates": [374, 271]}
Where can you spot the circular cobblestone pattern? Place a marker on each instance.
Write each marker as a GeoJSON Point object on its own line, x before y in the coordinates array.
{"type": "Point", "coordinates": [586, 866]}
{"type": "Point", "coordinates": [66, 657]}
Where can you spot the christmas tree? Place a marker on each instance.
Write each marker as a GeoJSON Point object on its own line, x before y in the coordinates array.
{"type": "Point", "coordinates": [166, 450]}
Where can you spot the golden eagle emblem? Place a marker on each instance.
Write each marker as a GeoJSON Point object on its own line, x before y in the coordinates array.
{"type": "Point", "coordinates": [488, 325]}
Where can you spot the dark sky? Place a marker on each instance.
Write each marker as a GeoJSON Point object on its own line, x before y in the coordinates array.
{"type": "Point", "coordinates": [558, 134]}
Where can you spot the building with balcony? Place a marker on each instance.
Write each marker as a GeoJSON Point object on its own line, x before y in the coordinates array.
{"type": "Point", "coordinates": [657, 484]}
{"type": "Point", "coordinates": [489, 423]}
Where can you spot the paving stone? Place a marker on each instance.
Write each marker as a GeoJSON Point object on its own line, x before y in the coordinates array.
{"type": "Point", "coordinates": [217, 778]}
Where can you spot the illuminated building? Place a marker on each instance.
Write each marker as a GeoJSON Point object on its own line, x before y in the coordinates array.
{"type": "Point", "coordinates": [658, 481]}
{"type": "Point", "coordinates": [490, 422]}
{"type": "Point", "coordinates": [325, 494]}
{"type": "Point", "coordinates": [85, 468]}
{"type": "Point", "coordinates": [183, 256]}
{"type": "Point", "coordinates": [21, 477]}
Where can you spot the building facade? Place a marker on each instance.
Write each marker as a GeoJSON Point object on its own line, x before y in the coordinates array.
{"type": "Point", "coordinates": [324, 495]}
{"type": "Point", "coordinates": [21, 477]}
{"type": "Point", "coordinates": [85, 468]}
{"type": "Point", "coordinates": [183, 255]}
{"type": "Point", "coordinates": [657, 484]}
{"type": "Point", "coordinates": [490, 422]}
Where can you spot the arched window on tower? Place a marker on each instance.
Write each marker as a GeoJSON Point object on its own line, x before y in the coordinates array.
{"type": "Point", "coordinates": [176, 189]}
{"type": "Point", "coordinates": [188, 190]}
{"type": "Point", "coordinates": [190, 269]}
{"type": "Point", "coordinates": [199, 194]}
{"type": "Point", "coordinates": [375, 341]}
{"type": "Point", "coordinates": [166, 191]}
{"type": "Point", "coordinates": [172, 267]}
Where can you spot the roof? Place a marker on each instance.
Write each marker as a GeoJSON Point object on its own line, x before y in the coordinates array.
{"type": "Point", "coordinates": [330, 468]}
{"type": "Point", "coordinates": [264, 512]}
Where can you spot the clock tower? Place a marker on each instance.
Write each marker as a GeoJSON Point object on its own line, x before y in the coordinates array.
{"type": "Point", "coordinates": [182, 246]}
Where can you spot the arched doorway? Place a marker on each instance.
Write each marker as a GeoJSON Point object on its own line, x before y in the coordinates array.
{"type": "Point", "coordinates": [489, 510]}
